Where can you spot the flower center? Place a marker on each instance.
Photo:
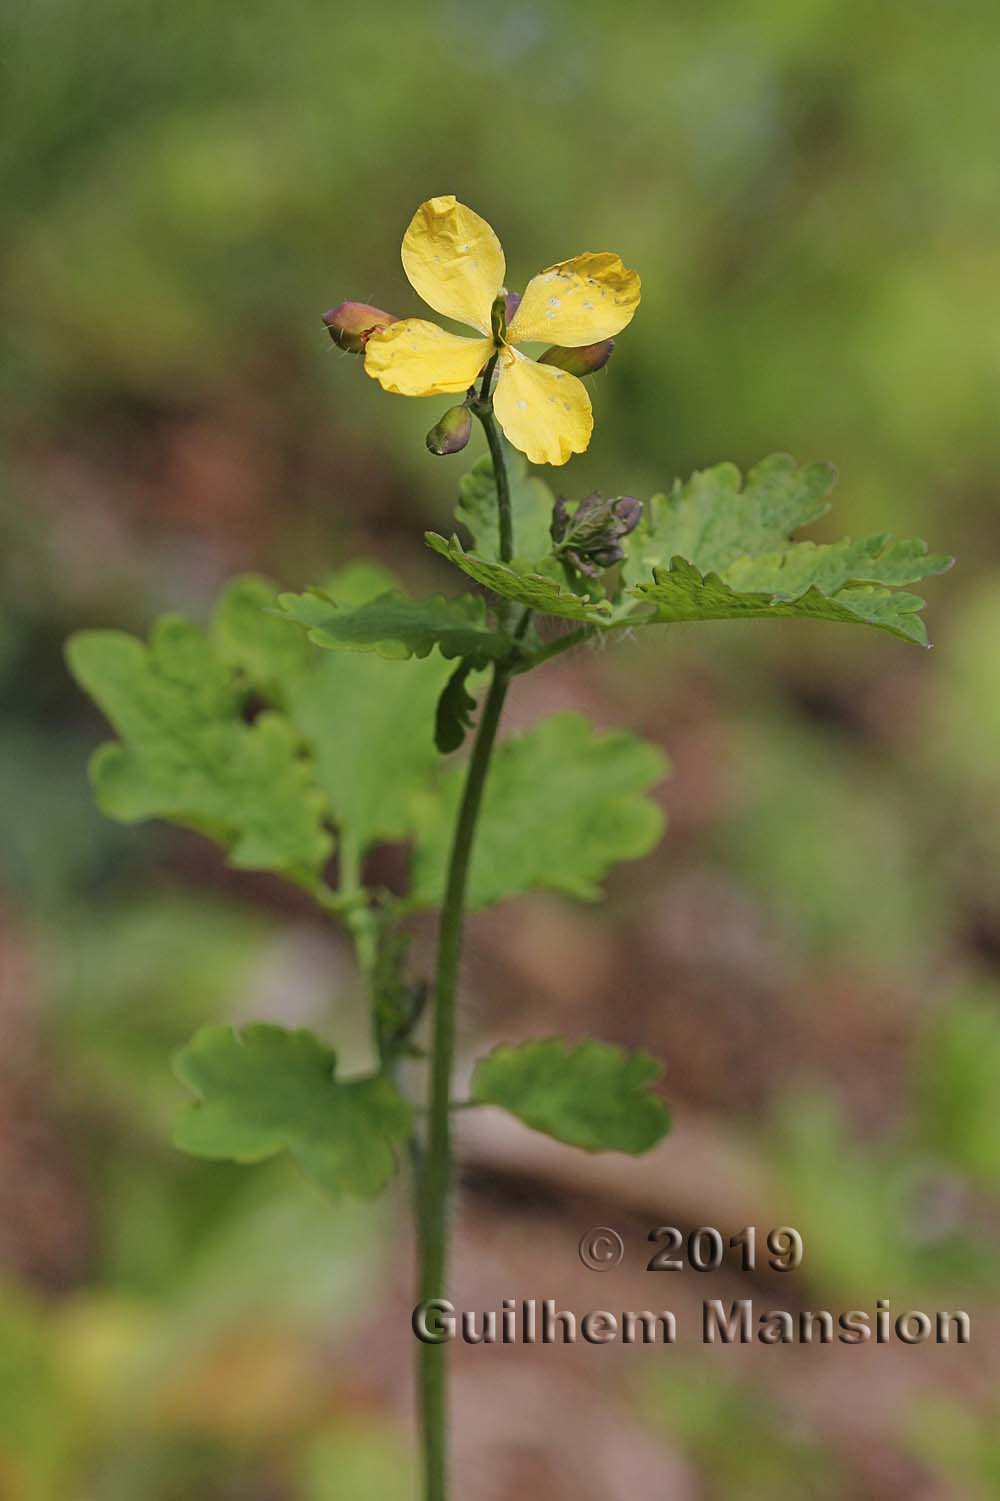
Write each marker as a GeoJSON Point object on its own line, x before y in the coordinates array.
{"type": "Point", "coordinates": [498, 320]}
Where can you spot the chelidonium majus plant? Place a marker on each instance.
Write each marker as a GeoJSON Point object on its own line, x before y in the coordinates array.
{"type": "Point", "coordinates": [301, 727]}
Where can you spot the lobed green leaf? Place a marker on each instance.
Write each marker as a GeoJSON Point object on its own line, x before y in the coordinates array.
{"type": "Point", "coordinates": [369, 724]}
{"type": "Point", "coordinates": [595, 1095]}
{"type": "Point", "coordinates": [367, 720]}
{"type": "Point", "coordinates": [719, 550]}
{"type": "Point", "coordinates": [186, 753]}
{"type": "Point", "coordinates": [713, 519]}
{"type": "Point", "coordinates": [268, 1090]}
{"type": "Point", "coordinates": [681, 593]}
{"type": "Point", "coordinates": [397, 627]}
{"type": "Point", "coordinates": [260, 647]}
{"type": "Point", "coordinates": [562, 805]}
{"type": "Point", "coordinates": [535, 590]}
{"type": "Point", "coordinates": [455, 708]}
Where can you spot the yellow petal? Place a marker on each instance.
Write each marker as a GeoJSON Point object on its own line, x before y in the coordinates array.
{"type": "Point", "coordinates": [543, 411]}
{"type": "Point", "coordinates": [576, 302]}
{"type": "Point", "coordinates": [454, 261]}
{"type": "Point", "coordinates": [414, 358]}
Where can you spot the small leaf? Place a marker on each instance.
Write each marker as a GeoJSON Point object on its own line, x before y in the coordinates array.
{"type": "Point", "coordinates": [531, 503]}
{"type": "Point", "coordinates": [535, 590]}
{"type": "Point", "coordinates": [455, 708]}
{"type": "Point", "coordinates": [267, 1090]}
{"type": "Point", "coordinates": [717, 550]}
{"type": "Point", "coordinates": [394, 626]}
{"type": "Point", "coordinates": [187, 755]}
{"type": "Point", "coordinates": [562, 805]}
{"type": "Point", "coordinates": [595, 1095]}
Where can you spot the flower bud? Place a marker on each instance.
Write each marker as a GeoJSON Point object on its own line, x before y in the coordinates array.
{"type": "Point", "coordinates": [452, 433]}
{"type": "Point", "coordinates": [352, 323]}
{"type": "Point", "coordinates": [513, 301]}
{"type": "Point", "coordinates": [582, 361]}
{"type": "Point", "coordinates": [629, 513]}
{"type": "Point", "coordinates": [591, 537]}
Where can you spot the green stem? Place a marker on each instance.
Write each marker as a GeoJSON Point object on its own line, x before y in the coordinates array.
{"type": "Point", "coordinates": [554, 649]}
{"type": "Point", "coordinates": [435, 1173]}
{"type": "Point", "coordinates": [359, 917]}
{"type": "Point", "coordinates": [435, 1182]}
{"type": "Point", "coordinates": [483, 408]}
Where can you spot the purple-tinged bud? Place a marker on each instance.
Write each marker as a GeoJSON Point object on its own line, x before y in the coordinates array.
{"type": "Point", "coordinates": [452, 433]}
{"type": "Point", "coordinates": [560, 519]}
{"type": "Point", "coordinates": [590, 539]}
{"type": "Point", "coordinates": [513, 300]}
{"type": "Point", "coordinates": [352, 324]}
{"type": "Point", "coordinates": [629, 513]}
{"type": "Point", "coordinates": [583, 361]}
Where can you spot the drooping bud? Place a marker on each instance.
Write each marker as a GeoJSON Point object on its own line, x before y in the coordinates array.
{"type": "Point", "coordinates": [590, 539]}
{"type": "Point", "coordinates": [582, 361]}
{"type": "Point", "coordinates": [352, 324]}
{"type": "Point", "coordinates": [452, 433]}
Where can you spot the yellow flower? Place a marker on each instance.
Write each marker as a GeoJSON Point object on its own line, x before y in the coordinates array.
{"type": "Point", "coordinates": [455, 262]}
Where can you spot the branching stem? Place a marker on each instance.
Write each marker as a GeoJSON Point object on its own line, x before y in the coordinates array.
{"type": "Point", "coordinates": [553, 649]}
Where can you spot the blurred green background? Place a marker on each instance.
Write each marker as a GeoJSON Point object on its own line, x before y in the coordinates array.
{"type": "Point", "coordinates": [810, 192]}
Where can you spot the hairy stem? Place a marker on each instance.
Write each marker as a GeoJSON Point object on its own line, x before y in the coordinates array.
{"type": "Point", "coordinates": [554, 648]}
{"type": "Point", "coordinates": [435, 1181]}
